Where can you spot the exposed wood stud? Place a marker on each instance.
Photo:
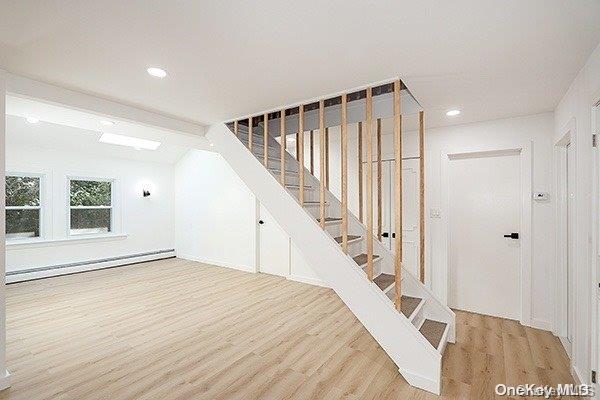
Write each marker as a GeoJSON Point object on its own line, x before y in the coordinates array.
{"type": "Point", "coordinates": [369, 135]}
{"type": "Point", "coordinates": [421, 197]}
{"type": "Point", "coordinates": [344, 162]}
{"type": "Point", "coordinates": [311, 137]}
{"type": "Point", "coordinates": [379, 171]}
{"type": "Point", "coordinates": [398, 196]}
{"type": "Point", "coordinates": [300, 143]}
{"type": "Point", "coordinates": [266, 139]}
{"type": "Point", "coordinates": [250, 133]}
{"type": "Point", "coordinates": [235, 127]}
{"type": "Point", "coordinates": [360, 173]}
{"type": "Point", "coordinates": [283, 138]}
{"type": "Point", "coordinates": [322, 161]}
{"type": "Point", "coordinates": [327, 158]}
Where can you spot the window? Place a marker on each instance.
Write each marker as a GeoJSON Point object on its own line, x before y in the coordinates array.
{"type": "Point", "coordinates": [23, 207]}
{"type": "Point", "coordinates": [90, 207]}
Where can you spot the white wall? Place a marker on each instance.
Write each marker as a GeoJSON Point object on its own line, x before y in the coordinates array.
{"type": "Point", "coordinates": [147, 222]}
{"type": "Point", "coordinates": [502, 133]}
{"type": "Point", "coordinates": [4, 376]}
{"type": "Point", "coordinates": [216, 217]}
{"type": "Point", "coordinates": [574, 112]}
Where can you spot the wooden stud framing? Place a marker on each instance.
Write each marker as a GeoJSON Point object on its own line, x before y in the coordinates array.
{"type": "Point", "coordinates": [421, 198]}
{"type": "Point", "coordinates": [369, 135]}
{"type": "Point", "coordinates": [322, 162]}
{"type": "Point", "coordinates": [235, 128]}
{"type": "Point", "coordinates": [344, 162]}
{"type": "Point", "coordinates": [379, 197]}
{"type": "Point", "coordinates": [250, 133]}
{"type": "Point", "coordinates": [398, 196]}
{"type": "Point", "coordinates": [360, 172]}
{"type": "Point", "coordinates": [266, 140]}
{"type": "Point", "coordinates": [283, 139]}
{"type": "Point", "coordinates": [300, 142]}
{"type": "Point", "coordinates": [297, 145]}
{"type": "Point", "coordinates": [311, 137]}
{"type": "Point", "coordinates": [327, 158]}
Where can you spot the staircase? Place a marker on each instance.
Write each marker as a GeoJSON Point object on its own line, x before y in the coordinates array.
{"type": "Point", "coordinates": [415, 336]}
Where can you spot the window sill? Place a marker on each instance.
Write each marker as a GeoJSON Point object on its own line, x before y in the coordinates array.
{"type": "Point", "coordinates": [72, 239]}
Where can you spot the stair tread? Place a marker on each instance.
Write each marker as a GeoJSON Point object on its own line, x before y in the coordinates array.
{"type": "Point", "coordinates": [313, 202]}
{"type": "Point", "coordinates": [350, 237]}
{"type": "Point", "coordinates": [409, 303]}
{"type": "Point", "coordinates": [329, 219]}
{"type": "Point", "coordinates": [384, 280]}
{"type": "Point", "coordinates": [362, 258]}
{"type": "Point", "coordinates": [433, 331]}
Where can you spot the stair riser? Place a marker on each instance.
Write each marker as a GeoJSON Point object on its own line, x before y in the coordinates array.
{"type": "Point", "coordinates": [315, 211]}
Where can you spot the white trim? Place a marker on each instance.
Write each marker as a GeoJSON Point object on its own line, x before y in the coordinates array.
{"type": "Point", "coordinates": [310, 281]}
{"type": "Point", "coordinates": [524, 150]}
{"type": "Point", "coordinates": [13, 244]}
{"type": "Point", "coordinates": [239, 267]}
{"type": "Point", "coordinates": [421, 382]}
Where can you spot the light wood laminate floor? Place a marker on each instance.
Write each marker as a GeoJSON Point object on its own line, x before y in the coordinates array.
{"type": "Point", "coordinates": [175, 329]}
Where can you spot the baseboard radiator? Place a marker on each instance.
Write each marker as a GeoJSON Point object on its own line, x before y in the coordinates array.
{"type": "Point", "coordinates": [88, 265]}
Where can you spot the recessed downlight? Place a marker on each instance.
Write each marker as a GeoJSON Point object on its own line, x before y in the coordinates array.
{"type": "Point", "coordinates": [157, 72]}
{"type": "Point", "coordinates": [453, 113]}
{"type": "Point", "coordinates": [107, 122]}
{"type": "Point", "coordinates": [32, 120]}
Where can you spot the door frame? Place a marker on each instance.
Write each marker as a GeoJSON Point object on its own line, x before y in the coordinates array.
{"type": "Point", "coordinates": [595, 359]}
{"type": "Point", "coordinates": [523, 149]}
{"type": "Point", "coordinates": [561, 305]}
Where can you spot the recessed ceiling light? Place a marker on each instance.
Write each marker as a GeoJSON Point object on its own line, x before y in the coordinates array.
{"type": "Point", "coordinates": [32, 120]}
{"type": "Point", "coordinates": [129, 141]}
{"type": "Point", "coordinates": [157, 72]}
{"type": "Point", "coordinates": [453, 113]}
{"type": "Point", "coordinates": [106, 122]}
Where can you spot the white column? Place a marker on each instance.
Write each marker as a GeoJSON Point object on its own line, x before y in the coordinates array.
{"type": "Point", "coordinates": [4, 375]}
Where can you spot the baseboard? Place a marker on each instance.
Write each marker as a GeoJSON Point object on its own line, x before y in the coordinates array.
{"type": "Point", "coordinates": [310, 281]}
{"type": "Point", "coordinates": [577, 376]}
{"type": "Point", "coordinates": [5, 380]}
{"type": "Point", "coordinates": [541, 324]}
{"type": "Point", "coordinates": [239, 267]}
{"type": "Point", "coordinates": [83, 266]}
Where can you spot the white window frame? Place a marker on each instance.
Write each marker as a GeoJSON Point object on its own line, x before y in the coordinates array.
{"type": "Point", "coordinates": [39, 207]}
{"type": "Point", "coordinates": [111, 207]}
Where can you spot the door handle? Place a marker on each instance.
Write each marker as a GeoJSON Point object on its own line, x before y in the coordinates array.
{"type": "Point", "coordinates": [385, 234]}
{"type": "Point", "coordinates": [513, 235]}
{"type": "Point", "coordinates": [260, 222]}
{"type": "Point", "coordinates": [394, 235]}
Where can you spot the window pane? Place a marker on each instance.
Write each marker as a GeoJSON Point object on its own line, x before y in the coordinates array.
{"type": "Point", "coordinates": [90, 193]}
{"type": "Point", "coordinates": [89, 221]}
{"type": "Point", "coordinates": [22, 224]}
{"type": "Point", "coordinates": [22, 191]}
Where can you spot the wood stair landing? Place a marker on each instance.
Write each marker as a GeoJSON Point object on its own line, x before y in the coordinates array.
{"type": "Point", "coordinates": [433, 331]}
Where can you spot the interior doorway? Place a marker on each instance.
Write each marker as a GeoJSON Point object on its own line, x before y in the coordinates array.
{"type": "Point", "coordinates": [569, 276]}
{"type": "Point", "coordinates": [484, 194]}
{"type": "Point", "coordinates": [410, 209]}
{"type": "Point", "coordinates": [274, 246]}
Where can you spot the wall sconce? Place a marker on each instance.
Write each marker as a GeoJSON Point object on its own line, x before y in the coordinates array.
{"type": "Point", "coordinates": [147, 188]}
{"type": "Point", "coordinates": [145, 192]}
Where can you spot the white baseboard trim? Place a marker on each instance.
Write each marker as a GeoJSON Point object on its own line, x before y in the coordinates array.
{"type": "Point", "coordinates": [65, 269]}
{"type": "Point", "coordinates": [239, 267]}
{"type": "Point", "coordinates": [541, 324]}
{"type": "Point", "coordinates": [5, 380]}
{"type": "Point", "coordinates": [310, 281]}
{"type": "Point", "coordinates": [421, 382]}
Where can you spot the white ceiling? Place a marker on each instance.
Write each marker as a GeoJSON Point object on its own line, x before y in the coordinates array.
{"type": "Point", "coordinates": [66, 129]}
{"type": "Point", "coordinates": [490, 58]}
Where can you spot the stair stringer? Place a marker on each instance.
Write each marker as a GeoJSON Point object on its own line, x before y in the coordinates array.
{"type": "Point", "coordinates": [417, 360]}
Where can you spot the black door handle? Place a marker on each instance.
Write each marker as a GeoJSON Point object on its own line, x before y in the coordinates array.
{"type": "Point", "coordinates": [260, 222]}
{"type": "Point", "coordinates": [385, 234]}
{"type": "Point", "coordinates": [394, 235]}
{"type": "Point", "coordinates": [513, 235]}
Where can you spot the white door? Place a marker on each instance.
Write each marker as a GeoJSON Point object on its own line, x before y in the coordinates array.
{"type": "Point", "coordinates": [571, 251]}
{"type": "Point", "coordinates": [484, 200]}
{"type": "Point", "coordinates": [274, 246]}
